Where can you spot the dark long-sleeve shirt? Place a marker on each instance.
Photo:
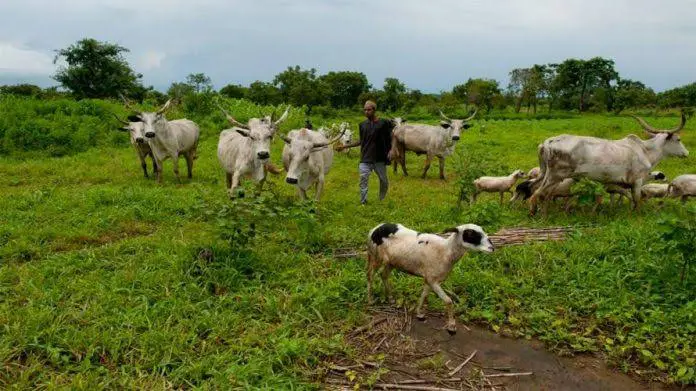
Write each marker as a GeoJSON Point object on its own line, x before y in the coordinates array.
{"type": "Point", "coordinates": [375, 140]}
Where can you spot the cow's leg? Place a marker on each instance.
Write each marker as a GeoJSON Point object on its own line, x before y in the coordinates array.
{"type": "Point", "coordinates": [154, 164]}
{"type": "Point", "coordinates": [402, 160]}
{"type": "Point", "coordinates": [158, 168]}
{"type": "Point", "coordinates": [235, 184]}
{"type": "Point", "coordinates": [636, 194]}
{"type": "Point", "coordinates": [501, 197]}
{"type": "Point", "coordinates": [189, 163]}
{"type": "Point", "coordinates": [320, 187]}
{"type": "Point", "coordinates": [428, 160]}
{"type": "Point", "coordinates": [385, 281]}
{"type": "Point", "coordinates": [684, 198]}
{"type": "Point", "coordinates": [143, 164]}
{"type": "Point", "coordinates": [259, 186]}
{"type": "Point", "coordinates": [451, 326]}
{"type": "Point", "coordinates": [302, 193]}
{"type": "Point", "coordinates": [442, 167]}
{"type": "Point", "coordinates": [228, 180]}
{"type": "Point", "coordinates": [175, 162]}
{"type": "Point", "coordinates": [423, 300]}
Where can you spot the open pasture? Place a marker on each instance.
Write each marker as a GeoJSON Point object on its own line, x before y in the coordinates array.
{"type": "Point", "coordinates": [108, 279]}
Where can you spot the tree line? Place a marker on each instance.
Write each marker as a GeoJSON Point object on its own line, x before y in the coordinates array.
{"type": "Point", "coordinates": [97, 69]}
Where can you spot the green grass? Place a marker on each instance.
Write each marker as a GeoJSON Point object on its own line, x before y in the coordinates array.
{"type": "Point", "coordinates": [101, 285]}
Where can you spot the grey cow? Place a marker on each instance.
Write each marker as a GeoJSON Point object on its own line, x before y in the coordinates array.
{"type": "Point", "coordinates": [429, 140]}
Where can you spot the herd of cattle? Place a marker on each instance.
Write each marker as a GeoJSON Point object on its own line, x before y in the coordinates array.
{"type": "Point", "coordinates": [623, 166]}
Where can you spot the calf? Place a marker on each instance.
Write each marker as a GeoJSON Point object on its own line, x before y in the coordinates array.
{"type": "Point", "coordinates": [139, 143]}
{"type": "Point", "coordinates": [393, 246]}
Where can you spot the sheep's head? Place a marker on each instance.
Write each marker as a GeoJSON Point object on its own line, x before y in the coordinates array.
{"type": "Point", "coordinates": [518, 174]}
{"type": "Point", "coordinates": [472, 237]}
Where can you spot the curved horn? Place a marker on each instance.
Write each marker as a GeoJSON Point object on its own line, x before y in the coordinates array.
{"type": "Point", "coordinates": [119, 119]}
{"type": "Point", "coordinates": [472, 116]}
{"type": "Point", "coordinates": [230, 118]}
{"type": "Point", "coordinates": [681, 125]}
{"type": "Point", "coordinates": [444, 116]}
{"type": "Point", "coordinates": [165, 107]}
{"type": "Point", "coordinates": [282, 117]}
{"type": "Point", "coordinates": [645, 125]}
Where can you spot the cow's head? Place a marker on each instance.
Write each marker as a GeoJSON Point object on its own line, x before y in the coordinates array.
{"type": "Point", "coordinates": [151, 121]}
{"type": "Point", "coordinates": [134, 128]}
{"type": "Point", "coordinates": [298, 149]}
{"type": "Point", "coordinates": [473, 237]}
{"type": "Point", "coordinates": [259, 131]}
{"type": "Point", "coordinates": [455, 126]}
{"type": "Point", "coordinates": [669, 138]}
{"type": "Point", "coordinates": [398, 121]}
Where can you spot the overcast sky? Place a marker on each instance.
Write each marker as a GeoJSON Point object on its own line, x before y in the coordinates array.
{"type": "Point", "coordinates": [429, 45]}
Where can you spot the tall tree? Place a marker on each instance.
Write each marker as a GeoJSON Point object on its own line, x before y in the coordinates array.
{"type": "Point", "coordinates": [482, 92]}
{"type": "Point", "coordinates": [97, 70]}
{"type": "Point", "coordinates": [301, 87]}
{"type": "Point", "coordinates": [631, 93]}
{"type": "Point", "coordinates": [264, 93]}
{"type": "Point", "coordinates": [200, 82]}
{"type": "Point", "coordinates": [344, 88]}
{"type": "Point", "coordinates": [394, 92]}
{"type": "Point", "coordinates": [234, 91]}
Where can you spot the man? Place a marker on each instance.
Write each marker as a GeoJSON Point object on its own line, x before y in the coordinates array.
{"type": "Point", "coordinates": [375, 150]}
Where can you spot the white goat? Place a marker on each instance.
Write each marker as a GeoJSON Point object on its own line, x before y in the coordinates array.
{"type": "Point", "coordinates": [496, 184]}
{"type": "Point", "coordinates": [393, 246]}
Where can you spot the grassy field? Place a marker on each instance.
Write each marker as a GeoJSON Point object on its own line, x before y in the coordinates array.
{"type": "Point", "coordinates": [103, 284]}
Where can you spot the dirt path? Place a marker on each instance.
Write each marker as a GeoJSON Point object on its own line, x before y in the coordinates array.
{"type": "Point", "coordinates": [396, 350]}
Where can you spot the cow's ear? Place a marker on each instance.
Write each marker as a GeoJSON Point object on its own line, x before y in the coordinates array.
{"type": "Point", "coordinates": [445, 124]}
{"type": "Point", "coordinates": [134, 118]}
{"type": "Point", "coordinates": [124, 129]}
{"type": "Point", "coordinates": [243, 132]}
{"type": "Point", "coordinates": [467, 126]}
{"type": "Point", "coordinates": [403, 121]}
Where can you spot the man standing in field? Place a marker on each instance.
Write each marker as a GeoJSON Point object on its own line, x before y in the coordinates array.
{"type": "Point", "coordinates": [375, 150]}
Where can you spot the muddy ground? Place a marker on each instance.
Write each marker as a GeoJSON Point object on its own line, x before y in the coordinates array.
{"type": "Point", "coordinates": [394, 350]}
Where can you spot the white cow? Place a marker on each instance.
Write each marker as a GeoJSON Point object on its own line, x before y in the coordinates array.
{"type": "Point", "coordinates": [245, 149]}
{"type": "Point", "coordinates": [307, 158]}
{"type": "Point", "coordinates": [139, 143]}
{"type": "Point", "coordinates": [625, 162]}
{"type": "Point", "coordinates": [426, 139]}
{"type": "Point", "coordinates": [169, 139]}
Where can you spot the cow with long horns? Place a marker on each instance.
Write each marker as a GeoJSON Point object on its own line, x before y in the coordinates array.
{"type": "Point", "coordinates": [429, 140]}
{"type": "Point", "coordinates": [307, 158]}
{"type": "Point", "coordinates": [139, 143]}
{"type": "Point", "coordinates": [168, 139]}
{"type": "Point", "coordinates": [245, 149]}
{"type": "Point", "coordinates": [625, 162]}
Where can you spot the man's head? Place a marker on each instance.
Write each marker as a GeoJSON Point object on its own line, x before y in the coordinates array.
{"type": "Point", "coordinates": [369, 109]}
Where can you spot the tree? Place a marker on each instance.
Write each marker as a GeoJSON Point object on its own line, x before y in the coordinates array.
{"type": "Point", "coordinates": [264, 93]}
{"type": "Point", "coordinates": [482, 92]}
{"type": "Point", "coordinates": [22, 90]}
{"type": "Point", "coordinates": [576, 80]}
{"type": "Point", "coordinates": [344, 88]}
{"type": "Point", "coordinates": [631, 93]}
{"type": "Point", "coordinates": [301, 87]}
{"type": "Point", "coordinates": [394, 92]}
{"type": "Point", "coordinates": [234, 91]}
{"type": "Point", "coordinates": [97, 70]}
{"type": "Point", "coordinates": [678, 97]}
{"type": "Point", "coordinates": [200, 82]}
{"type": "Point", "coordinates": [180, 90]}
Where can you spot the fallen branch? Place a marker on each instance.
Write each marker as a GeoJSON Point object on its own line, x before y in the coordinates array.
{"type": "Point", "coordinates": [458, 368]}
{"type": "Point", "coordinates": [510, 374]}
{"type": "Point", "coordinates": [407, 387]}
{"type": "Point", "coordinates": [369, 325]}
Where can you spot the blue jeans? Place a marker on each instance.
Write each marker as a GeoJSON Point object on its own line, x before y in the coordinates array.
{"type": "Point", "coordinates": [365, 169]}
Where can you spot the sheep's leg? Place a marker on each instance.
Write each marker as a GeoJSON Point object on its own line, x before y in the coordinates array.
{"type": "Point", "coordinates": [228, 180]}
{"type": "Point", "coordinates": [451, 326]}
{"type": "Point", "coordinates": [501, 197]}
{"type": "Point", "coordinates": [442, 167]}
{"type": "Point", "coordinates": [385, 280]}
{"type": "Point", "coordinates": [423, 300]}
{"type": "Point", "coordinates": [428, 160]}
